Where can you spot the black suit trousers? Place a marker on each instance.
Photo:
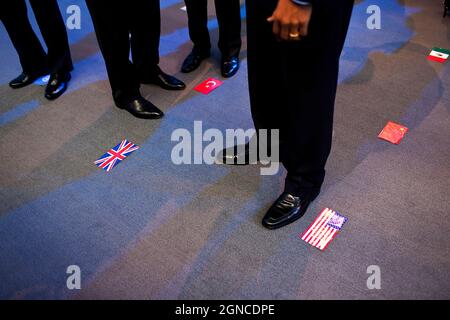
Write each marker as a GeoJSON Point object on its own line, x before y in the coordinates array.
{"type": "Point", "coordinates": [32, 56]}
{"type": "Point", "coordinates": [293, 86]}
{"type": "Point", "coordinates": [229, 19]}
{"type": "Point", "coordinates": [121, 26]}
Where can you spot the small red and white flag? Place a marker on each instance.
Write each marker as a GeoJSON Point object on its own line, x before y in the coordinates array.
{"type": "Point", "coordinates": [208, 85]}
{"type": "Point", "coordinates": [439, 55]}
{"type": "Point", "coordinates": [324, 229]}
{"type": "Point", "coordinates": [393, 132]}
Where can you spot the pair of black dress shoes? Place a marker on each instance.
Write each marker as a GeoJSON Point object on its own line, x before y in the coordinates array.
{"type": "Point", "coordinates": [288, 207]}
{"type": "Point", "coordinates": [56, 86]}
{"type": "Point", "coordinates": [229, 65]}
{"type": "Point", "coordinates": [141, 107]}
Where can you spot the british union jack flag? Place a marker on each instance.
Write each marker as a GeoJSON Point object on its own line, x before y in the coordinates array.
{"type": "Point", "coordinates": [114, 156]}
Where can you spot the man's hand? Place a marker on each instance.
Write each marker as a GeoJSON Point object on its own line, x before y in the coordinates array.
{"type": "Point", "coordinates": [290, 21]}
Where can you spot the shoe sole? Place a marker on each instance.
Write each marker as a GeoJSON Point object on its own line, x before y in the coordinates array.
{"type": "Point", "coordinates": [20, 86]}
{"type": "Point", "coordinates": [140, 117]}
{"type": "Point", "coordinates": [285, 223]}
{"type": "Point", "coordinates": [165, 88]}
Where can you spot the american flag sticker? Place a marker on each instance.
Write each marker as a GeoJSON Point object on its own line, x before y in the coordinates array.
{"type": "Point", "coordinates": [323, 230]}
{"type": "Point", "coordinates": [116, 155]}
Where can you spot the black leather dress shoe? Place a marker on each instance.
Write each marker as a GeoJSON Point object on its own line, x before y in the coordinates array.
{"type": "Point", "coordinates": [163, 80]}
{"type": "Point", "coordinates": [57, 85]}
{"type": "Point", "coordinates": [230, 66]}
{"type": "Point", "coordinates": [193, 61]}
{"type": "Point", "coordinates": [287, 209]}
{"type": "Point", "coordinates": [141, 108]}
{"type": "Point", "coordinates": [238, 156]}
{"type": "Point", "coordinates": [25, 79]}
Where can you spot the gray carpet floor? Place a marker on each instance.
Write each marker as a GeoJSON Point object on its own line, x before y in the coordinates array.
{"type": "Point", "coordinates": [153, 230]}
